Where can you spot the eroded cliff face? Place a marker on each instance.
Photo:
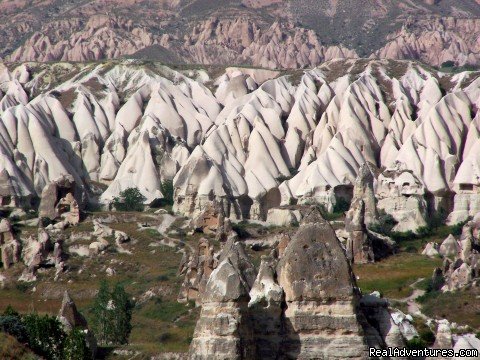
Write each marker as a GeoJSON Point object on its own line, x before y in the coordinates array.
{"type": "Point", "coordinates": [273, 34]}
{"type": "Point", "coordinates": [435, 41]}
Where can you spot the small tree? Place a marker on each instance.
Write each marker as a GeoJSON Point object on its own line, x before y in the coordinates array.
{"type": "Point", "coordinates": [448, 64]}
{"type": "Point", "coordinates": [123, 314]}
{"type": "Point", "coordinates": [167, 191]}
{"type": "Point", "coordinates": [112, 315]}
{"type": "Point", "coordinates": [102, 314]}
{"type": "Point", "coordinates": [130, 199]}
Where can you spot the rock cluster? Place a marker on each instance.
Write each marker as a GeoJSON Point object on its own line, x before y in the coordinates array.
{"type": "Point", "coordinates": [363, 245]}
{"type": "Point", "coordinates": [58, 201]}
{"type": "Point", "coordinates": [461, 266]}
{"type": "Point", "coordinates": [303, 304]}
{"type": "Point", "coordinates": [41, 251]}
{"type": "Point", "coordinates": [448, 336]}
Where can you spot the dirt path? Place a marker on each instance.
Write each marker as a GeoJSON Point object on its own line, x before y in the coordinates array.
{"type": "Point", "coordinates": [413, 306]}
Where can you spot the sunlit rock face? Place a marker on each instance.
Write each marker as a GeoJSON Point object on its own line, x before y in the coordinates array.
{"type": "Point", "coordinates": [303, 303]}
{"type": "Point", "coordinates": [251, 140]}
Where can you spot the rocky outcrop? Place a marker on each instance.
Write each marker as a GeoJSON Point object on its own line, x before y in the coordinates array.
{"type": "Point", "coordinates": [101, 37]}
{"type": "Point", "coordinates": [447, 39]}
{"type": "Point", "coordinates": [303, 303]}
{"type": "Point", "coordinates": [272, 140]}
{"type": "Point", "coordinates": [401, 194]}
{"type": "Point", "coordinates": [385, 328]}
{"type": "Point", "coordinates": [224, 330]}
{"type": "Point", "coordinates": [363, 211]}
{"type": "Point", "coordinates": [241, 32]}
{"type": "Point", "coordinates": [10, 247]}
{"type": "Point", "coordinates": [461, 266]}
{"type": "Point", "coordinates": [58, 201]}
{"type": "Point", "coordinates": [265, 307]}
{"type": "Point", "coordinates": [210, 219]}
{"type": "Point", "coordinates": [362, 244]}
{"type": "Point", "coordinates": [196, 269]}
{"type": "Point", "coordinates": [283, 217]}
{"type": "Point", "coordinates": [446, 337]}
{"type": "Point", "coordinates": [279, 46]}
{"type": "Point", "coordinates": [449, 247]}
{"type": "Point", "coordinates": [320, 297]}
{"type": "Point", "coordinates": [72, 319]}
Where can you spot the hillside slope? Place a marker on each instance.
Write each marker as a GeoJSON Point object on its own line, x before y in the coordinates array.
{"type": "Point", "coordinates": [268, 33]}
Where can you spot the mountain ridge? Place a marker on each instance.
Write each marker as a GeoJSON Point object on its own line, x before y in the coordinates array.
{"type": "Point", "coordinates": [235, 31]}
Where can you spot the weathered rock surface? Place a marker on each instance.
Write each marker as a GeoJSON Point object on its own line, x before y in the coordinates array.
{"type": "Point", "coordinates": [196, 269]}
{"type": "Point", "coordinates": [224, 330]}
{"type": "Point", "coordinates": [71, 319]}
{"type": "Point", "coordinates": [242, 31]}
{"type": "Point", "coordinates": [364, 245]}
{"type": "Point", "coordinates": [461, 266]}
{"type": "Point", "coordinates": [401, 194]}
{"type": "Point", "coordinates": [10, 247]}
{"type": "Point", "coordinates": [303, 305]}
{"type": "Point", "coordinates": [320, 297]}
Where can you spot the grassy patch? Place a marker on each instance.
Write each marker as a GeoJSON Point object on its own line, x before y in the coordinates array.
{"type": "Point", "coordinates": [163, 326]}
{"type": "Point", "coordinates": [158, 326]}
{"type": "Point", "coordinates": [394, 275]}
{"type": "Point", "coordinates": [461, 307]}
{"type": "Point", "coordinates": [164, 310]}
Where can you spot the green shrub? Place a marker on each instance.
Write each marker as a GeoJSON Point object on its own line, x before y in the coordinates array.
{"type": "Point", "coordinates": [427, 336]}
{"type": "Point", "coordinates": [385, 224]}
{"type": "Point", "coordinates": [167, 190]}
{"type": "Point", "coordinates": [283, 178]}
{"type": "Point", "coordinates": [130, 199]}
{"type": "Point", "coordinates": [13, 326]}
{"type": "Point", "coordinates": [10, 311]}
{"type": "Point", "coordinates": [437, 219]}
{"type": "Point", "coordinates": [448, 64]}
{"type": "Point", "coordinates": [416, 344]}
{"type": "Point", "coordinates": [241, 229]}
{"type": "Point", "coordinates": [341, 206]}
{"type": "Point", "coordinates": [75, 347]}
{"type": "Point", "coordinates": [45, 335]}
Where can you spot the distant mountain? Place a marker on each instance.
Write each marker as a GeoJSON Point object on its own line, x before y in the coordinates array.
{"type": "Point", "coordinates": [267, 33]}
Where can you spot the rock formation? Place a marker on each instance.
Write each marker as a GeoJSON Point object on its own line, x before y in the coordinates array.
{"type": "Point", "coordinates": [224, 330]}
{"type": "Point", "coordinates": [303, 303]}
{"type": "Point", "coordinates": [363, 245]}
{"type": "Point", "coordinates": [401, 194]}
{"type": "Point", "coordinates": [57, 201]}
{"type": "Point", "coordinates": [320, 297]}
{"type": "Point", "coordinates": [241, 32]}
{"type": "Point", "coordinates": [72, 319]}
{"type": "Point", "coordinates": [263, 140]}
{"type": "Point", "coordinates": [446, 338]}
{"type": "Point", "coordinates": [265, 307]}
{"type": "Point", "coordinates": [196, 268]}
{"type": "Point", "coordinates": [10, 247]}
{"type": "Point", "coordinates": [461, 266]}
{"type": "Point", "coordinates": [362, 212]}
